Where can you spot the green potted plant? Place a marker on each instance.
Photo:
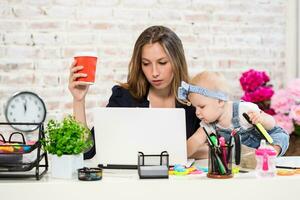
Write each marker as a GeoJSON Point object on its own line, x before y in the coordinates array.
{"type": "Point", "coordinates": [66, 141]}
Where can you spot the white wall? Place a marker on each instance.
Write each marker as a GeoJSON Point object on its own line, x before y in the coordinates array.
{"type": "Point", "coordinates": [38, 39]}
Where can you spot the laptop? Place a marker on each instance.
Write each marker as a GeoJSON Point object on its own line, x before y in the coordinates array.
{"type": "Point", "coordinates": [121, 133]}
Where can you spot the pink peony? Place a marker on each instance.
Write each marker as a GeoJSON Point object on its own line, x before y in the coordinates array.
{"type": "Point", "coordinates": [286, 103]}
{"type": "Point", "coordinates": [252, 79]}
{"type": "Point", "coordinates": [256, 89]}
{"type": "Point", "coordinates": [295, 113]}
{"type": "Point", "coordinates": [294, 88]}
{"type": "Point", "coordinates": [285, 122]}
{"type": "Point", "coordinates": [260, 94]}
{"type": "Point", "coordinates": [282, 101]}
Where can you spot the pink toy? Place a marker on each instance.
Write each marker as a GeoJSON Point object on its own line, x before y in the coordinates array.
{"type": "Point", "coordinates": [265, 157]}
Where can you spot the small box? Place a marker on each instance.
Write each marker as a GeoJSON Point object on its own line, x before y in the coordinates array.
{"type": "Point", "coordinates": [149, 170]}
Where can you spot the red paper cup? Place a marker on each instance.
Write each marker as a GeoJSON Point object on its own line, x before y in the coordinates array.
{"type": "Point", "coordinates": [88, 60]}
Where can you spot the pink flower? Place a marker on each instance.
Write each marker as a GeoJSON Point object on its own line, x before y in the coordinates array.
{"type": "Point", "coordinates": [254, 83]}
{"type": "Point", "coordinates": [260, 94]}
{"type": "Point", "coordinates": [284, 122]}
{"type": "Point", "coordinates": [295, 113]}
{"type": "Point", "coordinates": [270, 111]}
{"type": "Point", "coordinates": [282, 101]}
{"type": "Point", "coordinates": [252, 79]}
{"type": "Point", "coordinates": [286, 103]}
{"type": "Point", "coordinates": [294, 88]}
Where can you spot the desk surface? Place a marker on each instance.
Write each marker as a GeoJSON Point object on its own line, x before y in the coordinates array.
{"type": "Point", "coordinates": [125, 184]}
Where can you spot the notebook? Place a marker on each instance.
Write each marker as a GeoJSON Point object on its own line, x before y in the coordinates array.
{"type": "Point", "coordinates": [120, 133]}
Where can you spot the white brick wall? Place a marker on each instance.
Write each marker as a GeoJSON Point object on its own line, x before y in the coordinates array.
{"type": "Point", "coordinates": [38, 39]}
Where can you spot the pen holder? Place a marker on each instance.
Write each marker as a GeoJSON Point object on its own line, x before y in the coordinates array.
{"type": "Point", "coordinates": [220, 162]}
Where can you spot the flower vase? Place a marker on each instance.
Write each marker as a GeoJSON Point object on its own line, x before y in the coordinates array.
{"type": "Point", "coordinates": [65, 166]}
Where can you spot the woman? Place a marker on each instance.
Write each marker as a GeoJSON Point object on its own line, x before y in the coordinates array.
{"type": "Point", "coordinates": [156, 70]}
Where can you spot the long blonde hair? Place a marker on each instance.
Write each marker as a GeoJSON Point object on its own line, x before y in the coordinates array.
{"type": "Point", "coordinates": [137, 83]}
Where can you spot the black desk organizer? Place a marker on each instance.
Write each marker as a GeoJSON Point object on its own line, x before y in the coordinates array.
{"type": "Point", "coordinates": [147, 170]}
{"type": "Point", "coordinates": [12, 164]}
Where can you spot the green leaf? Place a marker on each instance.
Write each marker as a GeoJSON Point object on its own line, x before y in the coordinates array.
{"type": "Point", "coordinates": [66, 137]}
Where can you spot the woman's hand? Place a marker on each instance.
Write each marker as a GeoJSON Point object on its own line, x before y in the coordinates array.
{"type": "Point", "coordinates": [78, 89]}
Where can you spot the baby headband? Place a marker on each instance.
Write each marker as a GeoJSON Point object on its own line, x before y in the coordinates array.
{"type": "Point", "coordinates": [186, 88]}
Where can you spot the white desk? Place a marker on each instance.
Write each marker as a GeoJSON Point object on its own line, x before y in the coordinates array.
{"type": "Point", "coordinates": [125, 184]}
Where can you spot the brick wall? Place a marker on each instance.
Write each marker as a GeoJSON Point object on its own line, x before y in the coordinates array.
{"type": "Point", "coordinates": [39, 37]}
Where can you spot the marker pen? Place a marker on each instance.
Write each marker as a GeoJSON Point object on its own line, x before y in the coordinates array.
{"type": "Point", "coordinates": [224, 150]}
{"type": "Point", "coordinates": [259, 128]}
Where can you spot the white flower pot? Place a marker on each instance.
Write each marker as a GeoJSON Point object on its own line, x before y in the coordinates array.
{"type": "Point", "coordinates": [65, 166]}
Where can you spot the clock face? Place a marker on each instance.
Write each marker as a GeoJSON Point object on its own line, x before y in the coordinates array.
{"type": "Point", "coordinates": [25, 107]}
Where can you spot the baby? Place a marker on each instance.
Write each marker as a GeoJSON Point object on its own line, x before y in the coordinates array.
{"type": "Point", "coordinates": [208, 93]}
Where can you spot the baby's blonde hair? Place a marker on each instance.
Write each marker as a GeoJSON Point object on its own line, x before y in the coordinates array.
{"type": "Point", "coordinates": [210, 80]}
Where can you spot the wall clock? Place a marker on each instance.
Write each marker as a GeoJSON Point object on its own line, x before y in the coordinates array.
{"type": "Point", "coordinates": [25, 107]}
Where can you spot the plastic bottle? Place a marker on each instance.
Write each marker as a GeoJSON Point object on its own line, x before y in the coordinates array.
{"type": "Point", "coordinates": [266, 160]}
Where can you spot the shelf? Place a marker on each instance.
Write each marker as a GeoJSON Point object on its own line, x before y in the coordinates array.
{"type": "Point", "coordinates": [22, 160]}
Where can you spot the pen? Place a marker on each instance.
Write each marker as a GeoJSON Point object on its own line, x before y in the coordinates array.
{"type": "Point", "coordinates": [208, 138]}
{"type": "Point", "coordinates": [223, 147]}
{"type": "Point", "coordinates": [233, 132]}
{"type": "Point", "coordinates": [221, 166]}
{"type": "Point", "coordinates": [214, 153]}
{"type": "Point", "coordinates": [287, 167]}
{"type": "Point", "coordinates": [237, 149]}
{"type": "Point", "coordinates": [214, 140]}
{"type": "Point", "coordinates": [259, 128]}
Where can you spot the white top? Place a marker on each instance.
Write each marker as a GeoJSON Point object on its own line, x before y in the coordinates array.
{"type": "Point", "coordinates": [244, 107]}
{"type": "Point", "coordinates": [86, 53]}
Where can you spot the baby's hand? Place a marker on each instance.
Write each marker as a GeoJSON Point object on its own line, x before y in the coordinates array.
{"type": "Point", "coordinates": [255, 116]}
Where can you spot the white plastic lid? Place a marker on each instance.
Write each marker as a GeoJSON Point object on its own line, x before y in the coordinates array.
{"type": "Point", "coordinates": [86, 53]}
